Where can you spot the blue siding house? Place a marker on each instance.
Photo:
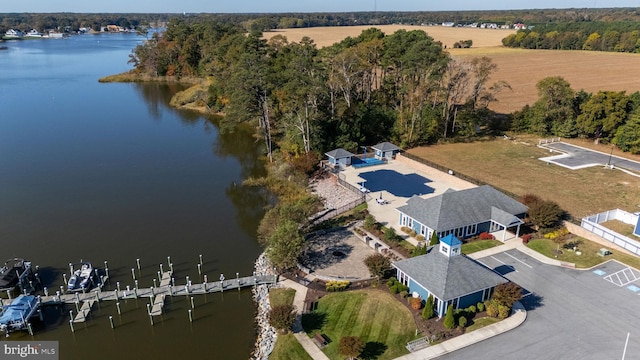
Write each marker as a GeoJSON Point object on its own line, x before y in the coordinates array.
{"type": "Point", "coordinates": [340, 157]}
{"type": "Point", "coordinates": [462, 213]}
{"type": "Point", "coordinates": [385, 150]}
{"type": "Point", "coordinates": [450, 277]}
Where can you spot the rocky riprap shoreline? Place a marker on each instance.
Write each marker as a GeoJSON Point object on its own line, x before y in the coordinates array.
{"type": "Point", "coordinates": [266, 333]}
{"type": "Point", "coordinates": [333, 195]}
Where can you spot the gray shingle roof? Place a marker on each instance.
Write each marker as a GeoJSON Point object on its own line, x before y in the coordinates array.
{"type": "Point", "coordinates": [449, 277]}
{"type": "Point", "coordinates": [455, 209]}
{"type": "Point", "coordinates": [385, 146]}
{"type": "Point", "coordinates": [339, 153]}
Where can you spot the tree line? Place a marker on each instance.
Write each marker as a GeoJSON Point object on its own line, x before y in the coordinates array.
{"type": "Point", "coordinates": [619, 36]}
{"type": "Point", "coordinates": [72, 22]}
{"type": "Point", "coordinates": [607, 116]}
{"type": "Point", "coordinates": [401, 87]}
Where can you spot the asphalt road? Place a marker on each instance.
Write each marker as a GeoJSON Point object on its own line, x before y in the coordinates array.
{"type": "Point", "coordinates": [572, 314]}
{"type": "Point", "coordinates": [579, 156]}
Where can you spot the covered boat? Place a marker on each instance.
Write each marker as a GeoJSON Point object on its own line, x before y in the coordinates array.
{"type": "Point", "coordinates": [16, 315]}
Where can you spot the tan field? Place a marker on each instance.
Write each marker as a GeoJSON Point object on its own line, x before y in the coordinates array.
{"type": "Point", "coordinates": [520, 68]}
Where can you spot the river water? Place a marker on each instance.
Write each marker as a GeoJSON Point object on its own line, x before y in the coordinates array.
{"type": "Point", "coordinates": [109, 172]}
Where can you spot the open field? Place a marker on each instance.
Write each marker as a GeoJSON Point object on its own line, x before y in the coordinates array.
{"type": "Point", "coordinates": [326, 36]}
{"type": "Point", "coordinates": [584, 70]}
{"type": "Point", "coordinates": [589, 249]}
{"type": "Point", "coordinates": [513, 165]}
{"type": "Point", "coordinates": [288, 348]}
{"type": "Point", "coordinates": [384, 325]}
{"type": "Point", "coordinates": [521, 68]}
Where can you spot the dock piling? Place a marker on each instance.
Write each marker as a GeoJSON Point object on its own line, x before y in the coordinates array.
{"type": "Point", "coordinates": [71, 324]}
{"type": "Point", "coordinates": [190, 315]}
{"type": "Point", "coordinates": [201, 260]}
{"type": "Point", "coordinates": [133, 273]}
{"type": "Point", "coordinates": [154, 283]}
{"type": "Point", "coordinates": [118, 307]}
{"type": "Point", "coordinates": [46, 291]}
{"type": "Point", "coordinates": [138, 263]}
{"type": "Point", "coordinates": [30, 329]}
{"type": "Point", "coordinates": [200, 270]}
{"type": "Point", "coordinates": [169, 260]}
{"type": "Point", "coordinates": [111, 321]}
{"type": "Point", "coordinates": [162, 271]}
{"type": "Point", "coordinates": [64, 278]}
{"type": "Point", "coordinates": [136, 284]}
{"type": "Point", "coordinates": [70, 268]}
{"type": "Point", "coordinates": [193, 306]}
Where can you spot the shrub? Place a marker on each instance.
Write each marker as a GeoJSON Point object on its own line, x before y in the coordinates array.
{"type": "Point", "coordinates": [486, 236]}
{"type": "Point", "coordinates": [416, 303]}
{"type": "Point", "coordinates": [526, 238]}
{"type": "Point", "coordinates": [434, 239]}
{"type": "Point", "coordinates": [351, 346]}
{"type": "Point", "coordinates": [413, 233]}
{"type": "Point", "coordinates": [282, 317]}
{"type": "Point", "coordinates": [503, 311]}
{"type": "Point", "coordinates": [471, 309]}
{"type": "Point", "coordinates": [402, 287]}
{"type": "Point", "coordinates": [449, 321]}
{"type": "Point", "coordinates": [420, 238]}
{"type": "Point", "coordinates": [377, 264]}
{"type": "Point", "coordinates": [428, 312]}
{"type": "Point", "coordinates": [404, 294]}
{"type": "Point", "coordinates": [390, 234]}
{"type": "Point", "coordinates": [545, 214]}
{"type": "Point", "coordinates": [392, 280]}
{"type": "Point", "coordinates": [506, 294]}
{"type": "Point", "coordinates": [480, 307]}
{"type": "Point", "coordinates": [394, 288]}
{"type": "Point", "coordinates": [369, 222]}
{"type": "Point", "coordinates": [492, 308]}
{"type": "Point", "coordinates": [419, 250]}
{"type": "Point", "coordinates": [462, 321]}
{"type": "Point", "coordinates": [405, 229]}
{"type": "Point", "coordinates": [336, 285]}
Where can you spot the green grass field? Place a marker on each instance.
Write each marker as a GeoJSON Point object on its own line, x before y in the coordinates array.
{"type": "Point", "coordinates": [281, 296]}
{"type": "Point", "coordinates": [479, 245]}
{"type": "Point", "coordinates": [480, 323]}
{"type": "Point", "coordinates": [589, 250]}
{"type": "Point", "coordinates": [288, 348]}
{"type": "Point", "coordinates": [383, 324]}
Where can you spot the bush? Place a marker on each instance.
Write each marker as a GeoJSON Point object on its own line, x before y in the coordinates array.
{"type": "Point", "coordinates": [394, 288]}
{"type": "Point", "coordinates": [369, 223]}
{"type": "Point", "coordinates": [486, 236]}
{"type": "Point", "coordinates": [377, 264]}
{"type": "Point", "coordinates": [420, 237]}
{"type": "Point", "coordinates": [392, 281]}
{"type": "Point", "coordinates": [526, 238]}
{"type": "Point", "coordinates": [434, 239]}
{"type": "Point", "coordinates": [503, 311]}
{"type": "Point", "coordinates": [416, 303]}
{"type": "Point", "coordinates": [404, 294]}
{"type": "Point", "coordinates": [428, 312]}
{"type": "Point", "coordinates": [492, 308]}
{"type": "Point", "coordinates": [336, 285]}
{"type": "Point", "coordinates": [282, 317]}
{"type": "Point", "coordinates": [413, 233]}
{"type": "Point", "coordinates": [405, 229]}
{"type": "Point", "coordinates": [462, 321]}
{"type": "Point", "coordinates": [471, 309]}
{"type": "Point", "coordinates": [449, 321]}
{"type": "Point", "coordinates": [480, 307]}
{"type": "Point", "coordinates": [390, 234]}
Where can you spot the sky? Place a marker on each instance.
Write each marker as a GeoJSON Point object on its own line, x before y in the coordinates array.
{"type": "Point", "coordinates": [279, 6]}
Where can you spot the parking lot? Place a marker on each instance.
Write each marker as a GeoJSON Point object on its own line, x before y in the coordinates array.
{"type": "Point", "coordinates": [572, 314]}
{"type": "Point", "coordinates": [576, 157]}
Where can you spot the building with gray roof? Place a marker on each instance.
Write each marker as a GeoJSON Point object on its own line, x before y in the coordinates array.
{"type": "Point", "coordinates": [339, 157]}
{"type": "Point", "coordinates": [463, 213]}
{"type": "Point", "coordinates": [385, 150]}
{"type": "Point", "coordinates": [450, 277]}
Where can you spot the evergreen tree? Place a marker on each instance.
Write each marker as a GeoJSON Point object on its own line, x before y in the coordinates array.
{"type": "Point", "coordinates": [449, 320]}
{"type": "Point", "coordinates": [434, 239]}
{"type": "Point", "coordinates": [427, 313]}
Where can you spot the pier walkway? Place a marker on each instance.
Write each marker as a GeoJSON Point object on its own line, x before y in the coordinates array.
{"type": "Point", "coordinates": [156, 295]}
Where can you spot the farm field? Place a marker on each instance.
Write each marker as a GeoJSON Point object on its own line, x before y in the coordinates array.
{"type": "Point", "coordinates": [520, 68]}
{"type": "Point", "coordinates": [513, 165]}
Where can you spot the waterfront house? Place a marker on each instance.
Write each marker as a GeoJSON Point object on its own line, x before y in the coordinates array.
{"type": "Point", "coordinates": [13, 34]}
{"type": "Point", "coordinates": [463, 213]}
{"type": "Point", "coordinates": [450, 277]}
{"type": "Point", "coordinates": [385, 150]}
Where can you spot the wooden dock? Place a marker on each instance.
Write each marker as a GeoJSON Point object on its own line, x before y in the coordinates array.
{"type": "Point", "coordinates": [83, 314]}
{"type": "Point", "coordinates": [158, 294]}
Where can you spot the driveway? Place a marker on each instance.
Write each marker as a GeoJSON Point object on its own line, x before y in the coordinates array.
{"type": "Point", "coordinates": [576, 157]}
{"type": "Point", "coordinates": [572, 314]}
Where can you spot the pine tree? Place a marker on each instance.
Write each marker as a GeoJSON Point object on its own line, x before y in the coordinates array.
{"type": "Point", "coordinates": [434, 239]}
{"type": "Point", "coordinates": [449, 320]}
{"type": "Point", "coordinates": [427, 313]}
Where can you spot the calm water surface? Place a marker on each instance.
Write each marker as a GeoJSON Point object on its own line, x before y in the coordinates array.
{"type": "Point", "coordinates": [109, 172]}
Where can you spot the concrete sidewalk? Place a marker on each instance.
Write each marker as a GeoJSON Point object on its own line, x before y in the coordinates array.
{"type": "Point", "coordinates": [518, 316]}
{"type": "Point", "coordinates": [298, 301]}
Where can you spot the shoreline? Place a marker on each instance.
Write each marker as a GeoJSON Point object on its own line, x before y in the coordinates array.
{"type": "Point", "coordinates": [267, 335]}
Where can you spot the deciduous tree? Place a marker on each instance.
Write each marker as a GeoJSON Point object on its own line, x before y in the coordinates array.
{"type": "Point", "coordinates": [282, 317]}
{"type": "Point", "coordinates": [351, 346]}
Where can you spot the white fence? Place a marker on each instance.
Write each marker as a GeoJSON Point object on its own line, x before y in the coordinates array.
{"type": "Point", "coordinates": [592, 224]}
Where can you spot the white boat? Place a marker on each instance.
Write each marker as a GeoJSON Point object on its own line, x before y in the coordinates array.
{"type": "Point", "coordinates": [16, 315]}
{"type": "Point", "coordinates": [81, 279]}
{"type": "Point", "coordinates": [13, 34]}
{"type": "Point", "coordinates": [33, 33]}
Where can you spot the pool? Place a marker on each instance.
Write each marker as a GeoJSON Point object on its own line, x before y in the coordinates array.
{"type": "Point", "coordinates": [359, 163]}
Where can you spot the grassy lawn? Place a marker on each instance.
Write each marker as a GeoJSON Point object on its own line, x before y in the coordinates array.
{"type": "Point", "coordinates": [281, 296]}
{"type": "Point", "coordinates": [288, 348]}
{"type": "Point", "coordinates": [514, 165]}
{"type": "Point", "coordinates": [383, 324]}
{"type": "Point", "coordinates": [480, 323]}
{"type": "Point", "coordinates": [620, 227]}
{"type": "Point", "coordinates": [589, 255]}
{"type": "Point", "coordinates": [479, 245]}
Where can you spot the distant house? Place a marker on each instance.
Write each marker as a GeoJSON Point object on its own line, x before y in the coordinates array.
{"type": "Point", "coordinates": [463, 213]}
{"type": "Point", "coordinates": [339, 157]}
{"type": "Point", "coordinates": [448, 23]}
{"type": "Point", "coordinates": [385, 150]}
{"type": "Point", "coordinates": [519, 26]}
{"type": "Point", "coordinates": [450, 277]}
{"type": "Point", "coordinates": [13, 34]}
